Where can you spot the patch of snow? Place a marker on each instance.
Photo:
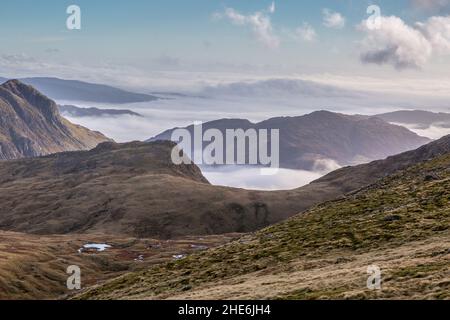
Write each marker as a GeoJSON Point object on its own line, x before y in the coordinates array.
{"type": "Point", "coordinates": [97, 246]}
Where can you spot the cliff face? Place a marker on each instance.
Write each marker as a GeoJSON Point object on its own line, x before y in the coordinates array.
{"type": "Point", "coordinates": [30, 125]}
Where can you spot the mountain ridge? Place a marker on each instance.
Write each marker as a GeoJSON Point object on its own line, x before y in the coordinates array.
{"type": "Point", "coordinates": [75, 90]}
{"type": "Point", "coordinates": [134, 189]}
{"type": "Point", "coordinates": [30, 125]}
{"type": "Point", "coordinates": [324, 135]}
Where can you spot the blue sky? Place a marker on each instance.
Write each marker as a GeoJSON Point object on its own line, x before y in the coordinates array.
{"type": "Point", "coordinates": [179, 34]}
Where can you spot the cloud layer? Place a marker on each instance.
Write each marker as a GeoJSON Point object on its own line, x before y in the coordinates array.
{"type": "Point", "coordinates": [251, 178]}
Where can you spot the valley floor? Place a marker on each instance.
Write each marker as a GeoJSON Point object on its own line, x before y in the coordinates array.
{"type": "Point", "coordinates": [34, 267]}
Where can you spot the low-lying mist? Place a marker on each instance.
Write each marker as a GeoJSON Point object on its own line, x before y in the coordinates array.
{"type": "Point", "coordinates": [245, 102]}
{"type": "Point", "coordinates": [248, 177]}
{"type": "Point", "coordinates": [435, 131]}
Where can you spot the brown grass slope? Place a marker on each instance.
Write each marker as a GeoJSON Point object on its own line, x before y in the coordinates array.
{"type": "Point", "coordinates": [34, 267]}
{"type": "Point", "coordinates": [401, 223]}
{"type": "Point", "coordinates": [30, 125]}
{"type": "Point", "coordinates": [131, 189]}
{"type": "Point", "coordinates": [134, 189]}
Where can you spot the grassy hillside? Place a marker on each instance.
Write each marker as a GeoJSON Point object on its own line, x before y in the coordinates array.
{"type": "Point", "coordinates": [134, 189]}
{"type": "Point", "coordinates": [400, 224]}
{"type": "Point", "coordinates": [34, 267]}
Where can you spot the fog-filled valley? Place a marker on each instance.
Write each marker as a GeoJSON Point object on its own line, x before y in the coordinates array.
{"type": "Point", "coordinates": [255, 100]}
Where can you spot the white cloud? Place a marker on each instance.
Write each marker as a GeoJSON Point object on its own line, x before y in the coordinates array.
{"type": "Point", "coordinates": [395, 43]}
{"type": "Point", "coordinates": [437, 32]}
{"type": "Point", "coordinates": [404, 46]}
{"type": "Point", "coordinates": [333, 20]}
{"type": "Point", "coordinates": [325, 166]}
{"type": "Point", "coordinates": [272, 8]}
{"type": "Point", "coordinates": [306, 32]}
{"type": "Point", "coordinates": [259, 22]}
{"type": "Point", "coordinates": [435, 131]}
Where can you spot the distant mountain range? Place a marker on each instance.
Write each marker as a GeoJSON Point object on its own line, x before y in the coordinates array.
{"type": "Point", "coordinates": [308, 142]}
{"type": "Point", "coordinates": [419, 118]}
{"type": "Point", "coordinates": [31, 125]}
{"type": "Point", "coordinates": [78, 112]}
{"type": "Point", "coordinates": [73, 90]}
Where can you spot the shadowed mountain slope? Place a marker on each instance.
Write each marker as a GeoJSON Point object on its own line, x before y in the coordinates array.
{"type": "Point", "coordinates": [307, 142]}
{"type": "Point", "coordinates": [30, 125]}
{"type": "Point", "coordinates": [73, 90]}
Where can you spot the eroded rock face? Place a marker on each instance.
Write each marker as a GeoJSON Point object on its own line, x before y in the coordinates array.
{"type": "Point", "coordinates": [30, 125]}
